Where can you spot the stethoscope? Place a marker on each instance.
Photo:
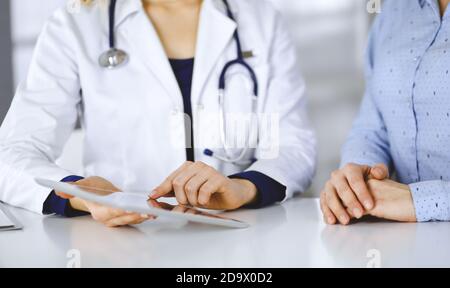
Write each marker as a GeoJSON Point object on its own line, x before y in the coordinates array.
{"type": "Point", "coordinates": [114, 58]}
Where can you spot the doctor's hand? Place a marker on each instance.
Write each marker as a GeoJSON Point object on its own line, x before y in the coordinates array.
{"type": "Point", "coordinates": [108, 216]}
{"type": "Point", "coordinates": [393, 201]}
{"type": "Point", "coordinates": [346, 195]}
{"type": "Point", "coordinates": [200, 185]}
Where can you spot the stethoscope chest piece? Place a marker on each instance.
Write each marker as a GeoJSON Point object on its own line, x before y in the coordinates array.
{"type": "Point", "coordinates": [113, 58]}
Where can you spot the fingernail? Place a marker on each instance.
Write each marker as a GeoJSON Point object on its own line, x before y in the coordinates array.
{"type": "Point", "coordinates": [145, 216]}
{"type": "Point", "coordinates": [357, 212]}
{"type": "Point", "coordinates": [368, 205]}
{"type": "Point", "coordinates": [330, 220]}
{"type": "Point", "coordinates": [379, 172]}
{"type": "Point", "coordinates": [344, 219]}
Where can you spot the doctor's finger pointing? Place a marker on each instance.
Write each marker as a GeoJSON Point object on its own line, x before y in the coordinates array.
{"type": "Point", "coordinates": [166, 187]}
{"type": "Point", "coordinates": [184, 193]}
{"type": "Point", "coordinates": [185, 182]}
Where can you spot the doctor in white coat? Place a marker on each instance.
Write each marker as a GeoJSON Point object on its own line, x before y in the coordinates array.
{"type": "Point", "coordinates": [149, 108]}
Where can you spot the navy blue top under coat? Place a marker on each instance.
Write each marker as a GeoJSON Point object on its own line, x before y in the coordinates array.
{"type": "Point", "coordinates": [183, 70]}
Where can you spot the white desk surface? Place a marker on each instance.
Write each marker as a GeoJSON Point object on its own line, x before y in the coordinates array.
{"type": "Point", "coordinates": [288, 235]}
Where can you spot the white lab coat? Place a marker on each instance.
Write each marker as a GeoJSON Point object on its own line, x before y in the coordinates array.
{"type": "Point", "coordinates": [131, 115]}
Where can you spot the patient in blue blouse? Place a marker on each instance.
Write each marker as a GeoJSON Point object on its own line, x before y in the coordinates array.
{"type": "Point", "coordinates": [403, 128]}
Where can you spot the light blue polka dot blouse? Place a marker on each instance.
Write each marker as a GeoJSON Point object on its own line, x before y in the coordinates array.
{"type": "Point", "coordinates": [404, 119]}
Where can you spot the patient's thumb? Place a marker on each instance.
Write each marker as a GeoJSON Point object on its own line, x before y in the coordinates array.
{"type": "Point", "coordinates": [379, 172]}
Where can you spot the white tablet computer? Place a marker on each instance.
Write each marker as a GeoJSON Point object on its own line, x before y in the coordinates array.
{"type": "Point", "coordinates": [140, 203]}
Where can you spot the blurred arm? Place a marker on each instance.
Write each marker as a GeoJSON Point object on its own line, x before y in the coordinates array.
{"type": "Point", "coordinates": [41, 118]}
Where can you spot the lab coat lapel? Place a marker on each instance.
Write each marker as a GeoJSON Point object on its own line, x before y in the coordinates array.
{"type": "Point", "coordinates": [126, 8]}
{"type": "Point", "coordinates": [215, 33]}
{"type": "Point", "coordinates": [149, 49]}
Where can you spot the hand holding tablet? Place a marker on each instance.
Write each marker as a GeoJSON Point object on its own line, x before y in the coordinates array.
{"type": "Point", "coordinates": [140, 203]}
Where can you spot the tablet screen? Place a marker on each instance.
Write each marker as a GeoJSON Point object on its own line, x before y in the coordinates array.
{"type": "Point", "coordinates": [140, 202]}
{"type": "Point", "coordinates": [183, 209]}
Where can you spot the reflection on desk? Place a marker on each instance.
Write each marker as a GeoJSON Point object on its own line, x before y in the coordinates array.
{"type": "Point", "coordinates": [288, 235]}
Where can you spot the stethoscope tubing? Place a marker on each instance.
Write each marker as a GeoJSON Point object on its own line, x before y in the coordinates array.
{"type": "Point", "coordinates": [115, 57]}
{"type": "Point", "coordinates": [112, 21]}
